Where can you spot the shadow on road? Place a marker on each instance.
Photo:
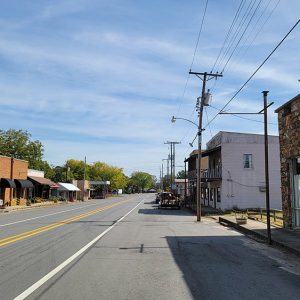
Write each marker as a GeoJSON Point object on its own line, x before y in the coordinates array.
{"type": "Point", "coordinates": [223, 267]}
{"type": "Point", "coordinates": [152, 202]}
{"type": "Point", "coordinates": [155, 210]}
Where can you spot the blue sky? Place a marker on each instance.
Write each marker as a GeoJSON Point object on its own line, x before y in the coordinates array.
{"type": "Point", "coordinates": [103, 78]}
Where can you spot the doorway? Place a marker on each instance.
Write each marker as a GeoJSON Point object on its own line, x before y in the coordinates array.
{"type": "Point", "coordinates": [296, 190]}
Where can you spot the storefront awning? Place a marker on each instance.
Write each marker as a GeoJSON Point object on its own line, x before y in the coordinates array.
{"type": "Point", "coordinates": [43, 181]}
{"type": "Point", "coordinates": [67, 187]}
{"type": "Point", "coordinates": [7, 183]}
{"type": "Point", "coordinates": [24, 184]}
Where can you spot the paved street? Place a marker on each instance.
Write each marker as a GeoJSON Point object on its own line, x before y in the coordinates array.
{"type": "Point", "coordinates": [149, 254]}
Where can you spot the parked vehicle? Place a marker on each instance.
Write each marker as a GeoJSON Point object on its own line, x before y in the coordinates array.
{"type": "Point", "coordinates": [157, 198]}
{"type": "Point", "coordinates": [169, 200]}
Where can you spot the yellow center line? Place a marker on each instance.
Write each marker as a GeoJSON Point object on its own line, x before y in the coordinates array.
{"type": "Point", "coordinates": [26, 234]}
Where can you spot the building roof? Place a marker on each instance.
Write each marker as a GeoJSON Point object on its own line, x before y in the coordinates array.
{"type": "Point", "coordinates": [43, 181]}
{"type": "Point", "coordinates": [67, 187]}
{"type": "Point", "coordinates": [207, 152]}
{"type": "Point", "coordinates": [180, 180]}
{"type": "Point", "coordinates": [99, 182]}
{"type": "Point", "coordinates": [287, 103]}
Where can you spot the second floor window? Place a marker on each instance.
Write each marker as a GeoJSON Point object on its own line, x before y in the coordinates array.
{"type": "Point", "coordinates": [248, 162]}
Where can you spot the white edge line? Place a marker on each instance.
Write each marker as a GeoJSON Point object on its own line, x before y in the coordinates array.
{"type": "Point", "coordinates": [39, 217]}
{"type": "Point", "coordinates": [52, 273]}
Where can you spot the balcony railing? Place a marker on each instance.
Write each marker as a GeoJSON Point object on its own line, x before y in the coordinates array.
{"type": "Point", "coordinates": [212, 173]}
{"type": "Point", "coordinates": [206, 174]}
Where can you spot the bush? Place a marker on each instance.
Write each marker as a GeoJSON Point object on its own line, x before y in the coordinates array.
{"type": "Point", "coordinates": [54, 199]}
{"type": "Point", "coordinates": [36, 200]}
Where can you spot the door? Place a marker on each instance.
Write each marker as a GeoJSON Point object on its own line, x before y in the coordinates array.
{"type": "Point", "coordinates": [296, 200]}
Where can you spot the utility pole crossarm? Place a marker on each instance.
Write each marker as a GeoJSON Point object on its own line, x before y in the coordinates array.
{"type": "Point", "coordinates": [205, 73]}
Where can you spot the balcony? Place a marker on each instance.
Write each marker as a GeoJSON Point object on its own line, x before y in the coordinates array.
{"type": "Point", "coordinates": [206, 175]}
{"type": "Point", "coordinates": [212, 174]}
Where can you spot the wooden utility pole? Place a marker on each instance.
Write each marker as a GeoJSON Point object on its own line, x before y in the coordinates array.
{"type": "Point", "coordinates": [266, 146]}
{"type": "Point", "coordinates": [185, 183]}
{"type": "Point", "coordinates": [172, 150]}
{"type": "Point", "coordinates": [201, 102]}
{"type": "Point", "coordinates": [265, 93]}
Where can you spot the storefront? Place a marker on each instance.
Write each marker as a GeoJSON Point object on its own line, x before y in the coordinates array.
{"type": "Point", "coordinates": [43, 187]}
{"type": "Point", "coordinates": [289, 139]}
{"type": "Point", "coordinates": [67, 191]}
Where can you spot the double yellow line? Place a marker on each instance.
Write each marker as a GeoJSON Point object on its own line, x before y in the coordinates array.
{"type": "Point", "coordinates": [27, 234]}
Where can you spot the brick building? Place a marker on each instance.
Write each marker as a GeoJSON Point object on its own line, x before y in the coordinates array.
{"type": "Point", "coordinates": [289, 139]}
{"type": "Point", "coordinates": [14, 186]}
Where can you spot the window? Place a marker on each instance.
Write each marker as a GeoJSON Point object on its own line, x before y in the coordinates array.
{"type": "Point", "coordinates": [218, 194]}
{"type": "Point", "coordinates": [248, 163]}
{"type": "Point", "coordinates": [211, 194]}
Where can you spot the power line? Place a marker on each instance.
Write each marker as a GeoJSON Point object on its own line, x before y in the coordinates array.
{"type": "Point", "coordinates": [237, 32]}
{"type": "Point", "coordinates": [208, 122]}
{"type": "Point", "coordinates": [260, 28]}
{"type": "Point", "coordinates": [228, 32]}
{"type": "Point", "coordinates": [245, 118]}
{"type": "Point", "coordinates": [194, 54]}
{"type": "Point", "coordinates": [199, 34]}
{"type": "Point", "coordinates": [242, 35]}
{"type": "Point", "coordinates": [255, 35]}
{"type": "Point", "coordinates": [266, 59]}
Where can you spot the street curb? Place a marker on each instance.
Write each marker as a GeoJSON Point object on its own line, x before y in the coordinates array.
{"type": "Point", "coordinates": [14, 209]}
{"type": "Point", "coordinates": [259, 235]}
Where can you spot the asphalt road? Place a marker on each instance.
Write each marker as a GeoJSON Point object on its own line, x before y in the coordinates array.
{"type": "Point", "coordinates": [81, 251]}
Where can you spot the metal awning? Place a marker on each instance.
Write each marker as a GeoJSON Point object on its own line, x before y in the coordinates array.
{"type": "Point", "coordinates": [43, 181]}
{"type": "Point", "coordinates": [24, 184]}
{"type": "Point", "coordinates": [7, 183]}
{"type": "Point", "coordinates": [67, 187]}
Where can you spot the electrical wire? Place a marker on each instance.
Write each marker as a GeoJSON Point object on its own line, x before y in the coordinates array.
{"type": "Point", "coordinates": [236, 32]}
{"type": "Point", "coordinates": [254, 37]}
{"type": "Point", "coordinates": [194, 55]}
{"type": "Point", "coordinates": [229, 32]}
{"type": "Point", "coordinates": [208, 122]}
{"type": "Point", "coordinates": [245, 118]}
{"type": "Point", "coordinates": [259, 30]}
{"type": "Point", "coordinates": [253, 74]}
{"type": "Point", "coordinates": [242, 35]}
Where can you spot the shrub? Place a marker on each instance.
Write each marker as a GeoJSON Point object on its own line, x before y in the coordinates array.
{"type": "Point", "coordinates": [36, 200]}
{"type": "Point", "coordinates": [54, 199]}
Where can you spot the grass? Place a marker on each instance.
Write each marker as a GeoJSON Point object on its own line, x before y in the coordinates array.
{"type": "Point", "coordinates": [261, 218]}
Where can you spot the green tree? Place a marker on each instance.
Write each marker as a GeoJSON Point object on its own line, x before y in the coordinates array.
{"type": "Point", "coordinates": [59, 174]}
{"type": "Point", "coordinates": [75, 169]}
{"type": "Point", "coordinates": [181, 175]}
{"type": "Point", "coordinates": [142, 180]}
{"type": "Point", "coordinates": [17, 143]}
{"type": "Point", "coordinates": [102, 171]}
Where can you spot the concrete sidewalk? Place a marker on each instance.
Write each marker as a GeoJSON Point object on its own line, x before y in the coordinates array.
{"type": "Point", "coordinates": [33, 205]}
{"type": "Point", "coordinates": [285, 238]}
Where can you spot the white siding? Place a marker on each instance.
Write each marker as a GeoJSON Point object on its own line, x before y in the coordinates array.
{"type": "Point", "coordinates": [240, 187]}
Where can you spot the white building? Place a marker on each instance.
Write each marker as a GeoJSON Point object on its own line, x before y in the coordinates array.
{"type": "Point", "coordinates": [236, 171]}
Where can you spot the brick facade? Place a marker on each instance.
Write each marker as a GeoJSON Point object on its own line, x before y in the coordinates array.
{"type": "Point", "coordinates": [289, 139]}
{"type": "Point", "coordinates": [13, 168]}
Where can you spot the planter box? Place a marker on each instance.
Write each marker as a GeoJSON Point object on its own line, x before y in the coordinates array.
{"type": "Point", "coordinates": [241, 221]}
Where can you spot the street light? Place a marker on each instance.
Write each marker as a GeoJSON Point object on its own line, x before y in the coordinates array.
{"type": "Point", "coordinates": [200, 101]}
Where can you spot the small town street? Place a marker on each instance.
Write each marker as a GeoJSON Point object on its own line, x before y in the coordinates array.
{"type": "Point", "coordinates": [150, 254]}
